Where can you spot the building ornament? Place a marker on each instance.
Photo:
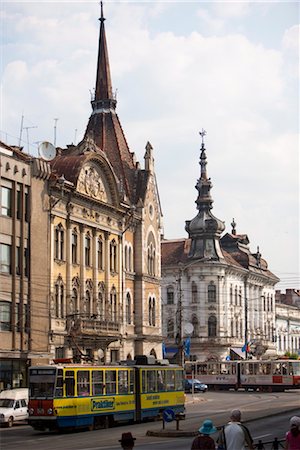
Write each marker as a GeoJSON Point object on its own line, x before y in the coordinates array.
{"type": "Point", "coordinates": [90, 183]}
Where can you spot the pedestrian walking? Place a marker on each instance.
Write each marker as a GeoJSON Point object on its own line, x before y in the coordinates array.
{"type": "Point", "coordinates": [235, 435]}
{"type": "Point", "coordinates": [204, 441]}
{"type": "Point", "coordinates": [127, 441]}
{"type": "Point", "coordinates": [292, 437]}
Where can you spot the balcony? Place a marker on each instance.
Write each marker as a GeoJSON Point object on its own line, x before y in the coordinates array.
{"type": "Point", "coordinates": [92, 325]}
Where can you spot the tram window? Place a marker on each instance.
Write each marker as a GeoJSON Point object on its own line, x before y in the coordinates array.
{"type": "Point", "coordinates": [161, 380]}
{"type": "Point", "coordinates": [110, 381]}
{"type": "Point", "coordinates": [131, 383]}
{"type": "Point", "coordinates": [276, 369]}
{"type": "Point", "coordinates": [70, 383]}
{"type": "Point", "coordinates": [267, 368]}
{"type": "Point", "coordinates": [202, 369]}
{"type": "Point", "coordinates": [296, 367]}
{"type": "Point", "coordinates": [233, 369]}
{"type": "Point", "coordinates": [290, 366]}
{"type": "Point", "coordinates": [123, 381]}
{"type": "Point", "coordinates": [59, 384]}
{"type": "Point", "coordinates": [151, 380]}
{"type": "Point", "coordinates": [224, 369]}
{"type": "Point", "coordinates": [97, 382]}
{"type": "Point", "coordinates": [83, 382]}
{"type": "Point", "coordinates": [179, 380]}
{"type": "Point", "coordinates": [144, 381]}
{"type": "Point", "coordinates": [170, 380]}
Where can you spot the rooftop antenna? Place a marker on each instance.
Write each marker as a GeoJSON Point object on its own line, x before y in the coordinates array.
{"type": "Point", "coordinates": [27, 133]}
{"type": "Point", "coordinates": [55, 123]}
{"type": "Point", "coordinates": [21, 130]}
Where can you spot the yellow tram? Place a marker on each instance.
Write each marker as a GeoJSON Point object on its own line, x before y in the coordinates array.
{"type": "Point", "coordinates": [70, 396]}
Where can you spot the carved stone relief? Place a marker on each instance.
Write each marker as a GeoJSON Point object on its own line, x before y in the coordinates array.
{"type": "Point", "coordinates": [90, 183]}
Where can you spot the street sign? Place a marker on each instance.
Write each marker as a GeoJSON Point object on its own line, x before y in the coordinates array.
{"type": "Point", "coordinates": [168, 415]}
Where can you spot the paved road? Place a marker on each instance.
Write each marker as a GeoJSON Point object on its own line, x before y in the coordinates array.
{"type": "Point", "coordinates": [212, 404]}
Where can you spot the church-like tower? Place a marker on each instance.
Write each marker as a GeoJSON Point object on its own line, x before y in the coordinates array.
{"type": "Point", "coordinates": [105, 231]}
{"type": "Point", "coordinates": [205, 229]}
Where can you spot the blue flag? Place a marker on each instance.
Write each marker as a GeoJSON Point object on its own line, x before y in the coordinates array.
{"type": "Point", "coordinates": [187, 346]}
{"type": "Point", "coordinates": [164, 350]}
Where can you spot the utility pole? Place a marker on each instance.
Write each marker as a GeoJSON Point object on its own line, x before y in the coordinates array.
{"type": "Point", "coordinates": [179, 320]}
{"type": "Point", "coordinates": [246, 319]}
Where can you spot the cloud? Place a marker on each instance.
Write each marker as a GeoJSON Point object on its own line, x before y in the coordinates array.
{"type": "Point", "coordinates": [231, 10]}
{"type": "Point", "coordinates": [291, 38]}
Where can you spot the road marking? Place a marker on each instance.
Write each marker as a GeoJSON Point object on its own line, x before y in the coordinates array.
{"type": "Point", "coordinates": [262, 435]}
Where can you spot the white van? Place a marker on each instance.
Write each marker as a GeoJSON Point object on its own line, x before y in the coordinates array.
{"type": "Point", "coordinates": [13, 406]}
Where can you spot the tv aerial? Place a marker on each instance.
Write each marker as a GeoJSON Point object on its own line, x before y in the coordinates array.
{"type": "Point", "coordinates": [47, 151]}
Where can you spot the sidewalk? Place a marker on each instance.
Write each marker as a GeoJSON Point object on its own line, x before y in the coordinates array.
{"type": "Point", "coordinates": [187, 429]}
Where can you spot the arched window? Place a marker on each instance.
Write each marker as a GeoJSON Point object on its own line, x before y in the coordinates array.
{"type": "Point", "coordinates": [212, 292]}
{"type": "Point", "coordinates": [128, 308]}
{"type": "Point", "coordinates": [130, 259]}
{"type": "Point", "coordinates": [237, 328]}
{"type": "Point", "coordinates": [236, 295]}
{"type": "Point", "coordinates": [170, 328]}
{"type": "Point", "coordinates": [231, 295]}
{"type": "Point", "coordinates": [59, 242]}
{"type": "Point", "coordinates": [100, 301]}
{"type": "Point", "coordinates": [212, 326]}
{"type": "Point", "coordinates": [194, 292]}
{"type": "Point", "coordinates": [113, 304]}
{"type": "Point", "coordinates": [100, 253]}
{"type": "Point", "coordinates": [113, 256]}
{"type": "Point", "coordinates": [231, 328]}
{"type": "Point", "coordinates": [195, 324]}
{"type": "Point", "coordinates": [59, 299]}
{"type": "Point", "coordinates": [170, 295]}
{"type": "Point", "coordinates": [87, 250]}
{"type": "Point", "coordinates": [151, 311]}
{"type": "Point", "coordinates": [240, 296]}
{"type": "Point", "coordinates": [151, 254]}
{"type": "Point", "coordinates": [126, 257]}
{"type": "Point", "coordinates": [87, 304]}
{"type": "Point", "coordinates": [73, 306]}
{"type": "Point", "coordinates": [75, 290]}
{"type": "Point", "coordinates": [74, 246]}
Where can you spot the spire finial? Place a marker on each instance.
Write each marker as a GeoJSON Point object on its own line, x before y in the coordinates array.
{"type": "Point", "coordinates": [233, 224]}
{"type": "Point", "coordinates": [202, 134]}
{"type": "Point", "coordinates": [101, 16]}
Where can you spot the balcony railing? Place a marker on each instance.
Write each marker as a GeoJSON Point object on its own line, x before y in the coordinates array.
{"type": "Point", "coordinates": [92, 325]}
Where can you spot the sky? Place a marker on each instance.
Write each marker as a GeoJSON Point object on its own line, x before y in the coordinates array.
{"type": "Point", "coordinates": [177, 67]}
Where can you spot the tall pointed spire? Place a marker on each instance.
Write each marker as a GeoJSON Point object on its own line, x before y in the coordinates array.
{"type": "Point", "coordinates": [104, 98]}
{"type": "Point", "coordinates": [205, 229]}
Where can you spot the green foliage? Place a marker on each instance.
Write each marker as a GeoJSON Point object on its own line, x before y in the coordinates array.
{"type": "Point", "coordinates": [291, 355]}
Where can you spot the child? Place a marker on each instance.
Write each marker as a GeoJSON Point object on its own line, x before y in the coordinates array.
{"type": "Point", "coordinates": [204, 441]}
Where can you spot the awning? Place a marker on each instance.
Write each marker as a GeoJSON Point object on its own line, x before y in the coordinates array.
{"type": "Point", "coordinates": [170, 352]}
{"type": "Point", "coordinates": [237, 353]}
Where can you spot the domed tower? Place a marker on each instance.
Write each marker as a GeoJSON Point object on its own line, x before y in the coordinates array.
{"type": "Point", "coordinates": [205, 229]}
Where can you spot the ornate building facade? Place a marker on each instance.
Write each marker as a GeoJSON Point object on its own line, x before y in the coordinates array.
{"type": "Point", "coordinates": [105, 239]}
{"type": "Point", "coordinates": [216, 294]}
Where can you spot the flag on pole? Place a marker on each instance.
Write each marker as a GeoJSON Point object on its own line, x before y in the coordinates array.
{"type": "Point", "coordinates": [187, 346]}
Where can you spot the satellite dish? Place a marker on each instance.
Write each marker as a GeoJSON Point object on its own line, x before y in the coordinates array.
{"type": "Point", "coordinates": [47, 151]}
{"type": "Point", "coordinates": [188, 329]}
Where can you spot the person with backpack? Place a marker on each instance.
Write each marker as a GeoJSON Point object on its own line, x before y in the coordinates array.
{"type": "Point", "coordinates": [235, 435]}
{"type": "Point", "coordinates": [204, 441]}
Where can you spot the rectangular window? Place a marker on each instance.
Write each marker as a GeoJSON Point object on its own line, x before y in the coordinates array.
{"type": "Point", "coordinates": [6, 201]}
{"type": "Point", "coordinates": [114, 356]}
{"type": "Point", "coordinates": [74, 248]}
{"type": "Point", "coordinates": [27, 207]}
{"type": "Point", "coordinates": [5, 258]}
{"type": "Point", "coordinates": [18, 261]}
{"type": "Point", "coordinates": [87, 251]}
{"type": "Point", "coordinates": [59, 383]}
{"type": "Point", "coordinates": [19, 204]}
{"type": "Point", "coordinates": [70, 383]}
{"type": "Point", "coordinates": [123, 382]}
{"type": "Point", "coordinates": [83, 383]}
{"type": "Point", "coordinates": [97, 382]}
{"type": "Point", "coordinates": [5, 316]}
{"type": "Point", "coordinates": [110, 381]}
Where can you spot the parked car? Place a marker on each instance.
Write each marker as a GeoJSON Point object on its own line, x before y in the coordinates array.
{"type": "Point", "coordinates": [13, 406]}
{"type": "Point", "coordinates": [195, 384]}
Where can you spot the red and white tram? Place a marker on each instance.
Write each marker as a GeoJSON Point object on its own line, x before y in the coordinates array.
{"type": "Point", "coordinates": [270, 375]}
